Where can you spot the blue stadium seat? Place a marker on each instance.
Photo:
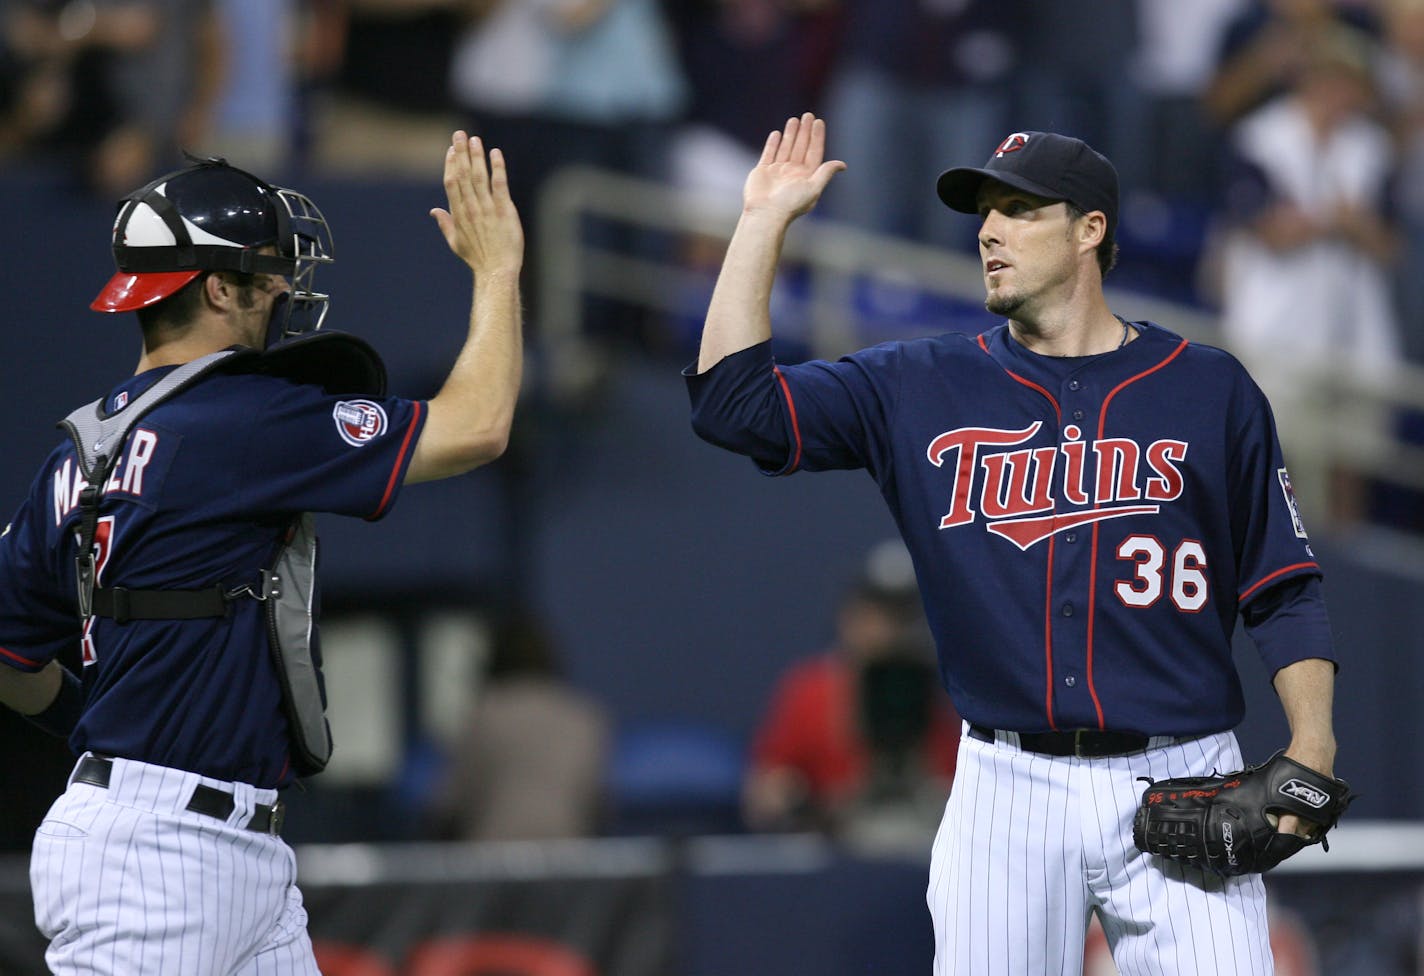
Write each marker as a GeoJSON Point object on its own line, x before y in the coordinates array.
{"type": "Point", "coordinates": [674, 777]}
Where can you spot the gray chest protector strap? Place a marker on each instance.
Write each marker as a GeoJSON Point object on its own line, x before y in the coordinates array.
{"type": "Point", "coordinates": [99, 441]}
{"type": "Point", "coordinates": [338, 363]}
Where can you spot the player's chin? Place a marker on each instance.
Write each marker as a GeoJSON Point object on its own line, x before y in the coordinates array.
{"type": "Point", "coordinates": [1002, 302]}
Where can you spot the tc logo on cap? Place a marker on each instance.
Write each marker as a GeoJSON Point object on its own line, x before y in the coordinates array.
{"type": "Point", "coordinates": [1013, 143]}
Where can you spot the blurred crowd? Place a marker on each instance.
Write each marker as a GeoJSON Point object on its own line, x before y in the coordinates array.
{"type": "Point", "coordinates": [1271, 151]}
{"type": "Point", "coordinates": [685, 91]}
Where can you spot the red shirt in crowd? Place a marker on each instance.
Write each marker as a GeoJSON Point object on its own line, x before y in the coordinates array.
{"type": "Point", "coordinates": [812, 726]}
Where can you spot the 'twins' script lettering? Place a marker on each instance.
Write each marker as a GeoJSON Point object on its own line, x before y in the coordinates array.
{"type": "Point", "coordinates": [1119, 477]}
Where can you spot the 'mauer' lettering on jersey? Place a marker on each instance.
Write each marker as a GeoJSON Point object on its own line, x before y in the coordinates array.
{"type": "Point", "coordinates": [1017, 495]}
{"type": "Point", "coordinates": [127, 476]}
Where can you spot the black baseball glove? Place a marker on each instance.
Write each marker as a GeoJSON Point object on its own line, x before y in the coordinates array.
{"type": "Point", "coordinates": [1226, 824]}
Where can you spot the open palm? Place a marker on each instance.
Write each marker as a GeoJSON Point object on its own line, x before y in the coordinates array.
{"type": "Point", "coordinates": [482, 226]}
{"type": "Point", "coordinates": [792, 171]}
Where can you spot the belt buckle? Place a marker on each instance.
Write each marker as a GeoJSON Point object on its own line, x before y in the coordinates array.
{"type": "Point", "coordinates": [276, 818]}
{"type": "Point", "coordinates": [1078, 743]}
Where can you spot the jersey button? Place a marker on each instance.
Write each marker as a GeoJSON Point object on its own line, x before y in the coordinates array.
{"type": "Point", "coordinates": [1067, 609]}
{"type": "Point", "coordinates": [1070, 681]}
{"type": "Point", "coordinates": [1077, 415]}
{"type": "Point", "coordinates": [1070, 537]}
{"type": "Point", "coordinates": [1074, 385]}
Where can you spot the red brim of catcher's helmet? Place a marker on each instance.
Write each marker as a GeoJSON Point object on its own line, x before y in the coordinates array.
{"type": "Point", "coordinates": [126, 292]}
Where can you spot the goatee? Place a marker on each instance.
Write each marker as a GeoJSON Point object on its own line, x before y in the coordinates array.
{"type": "Point", "coordinates": [1005, 305]}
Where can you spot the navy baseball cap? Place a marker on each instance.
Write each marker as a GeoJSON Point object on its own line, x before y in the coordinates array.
{"type": "Point", "coordinates": [1043, 163]}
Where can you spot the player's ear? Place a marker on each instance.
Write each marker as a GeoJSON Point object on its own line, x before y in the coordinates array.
{"type": "Point", "coordinates": [1092, 228]}
{"type": "Point", "coordinates": [220, 292]}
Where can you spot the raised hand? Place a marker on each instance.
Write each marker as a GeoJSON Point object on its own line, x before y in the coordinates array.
{"type": "Point", "coordinates": [792, 172]}
{"type": "Point", "coordinates": [482, 225]}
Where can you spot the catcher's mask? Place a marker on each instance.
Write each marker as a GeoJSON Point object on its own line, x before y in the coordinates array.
{"type": "Point", "coordinates": [211, 216]}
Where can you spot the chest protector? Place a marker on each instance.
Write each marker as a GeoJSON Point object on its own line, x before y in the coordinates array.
{"type": "Point", "coordinates": [341, 364]}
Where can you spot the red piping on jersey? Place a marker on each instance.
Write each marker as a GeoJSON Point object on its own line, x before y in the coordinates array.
{"type": "Point", "coordinates": [1254, 586]}
{"type": "Point", "coordinates": [15, 657]}
{"type": "Point", "coordinates": [1093, 556]}
{"type": "Point", "coordinates": [1048, 640]}
{"type": "Point", "coordinates": [795, 424]}
{"type": "Point", "coordinates": [1057, 412]}
{"type": "Point", "coordinates": [400, 460]}
{"type": "Point", "coordinates": [1048, 586]}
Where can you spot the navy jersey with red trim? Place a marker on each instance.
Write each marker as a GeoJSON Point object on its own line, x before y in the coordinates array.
{"type": "Point", "coordinates": [1085, 531]}
{"type": "Point", "coordinates": [204, 490]}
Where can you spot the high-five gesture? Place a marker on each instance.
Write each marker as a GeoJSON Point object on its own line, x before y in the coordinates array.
{"type": "Point", "coordinates": [785, 183]}
{"type": "Point", "coordinates": [482, 226]}
{"type": "Point", "coordinates": [468, 421]}
{"type": "Point", "coordinates": [792, 172]}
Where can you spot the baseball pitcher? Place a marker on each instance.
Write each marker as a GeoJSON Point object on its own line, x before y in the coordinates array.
{"type": "Point", "coordinates": [1091, 503]}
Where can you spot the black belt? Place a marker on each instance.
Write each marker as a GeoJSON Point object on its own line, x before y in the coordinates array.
{"type": "Point", "coordinates": [95, 771]}
{"type": "Point", "coordinates": [1083, 743]}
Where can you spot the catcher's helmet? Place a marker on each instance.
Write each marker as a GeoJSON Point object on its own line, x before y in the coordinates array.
{"type": "Point", "coordinates": [211, 216]}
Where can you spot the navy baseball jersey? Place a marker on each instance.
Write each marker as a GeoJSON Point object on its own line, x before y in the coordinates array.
{"type": "Point", "coordinates": [1085, 530]}
{"type": "Point", "coordinates": [206, 486]}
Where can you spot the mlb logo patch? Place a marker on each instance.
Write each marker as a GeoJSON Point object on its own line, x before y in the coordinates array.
{"type": "Point", "coordinates": [1291, 503]}
{"type": "Point", "coordinates": [121, 401]}
{"type": "Point", "coordinates": [359, 421]}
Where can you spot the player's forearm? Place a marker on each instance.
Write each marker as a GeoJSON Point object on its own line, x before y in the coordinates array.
{"type": "Point", "coordinates": [739, 314]}
{"type": "Point", "coordinates": [1307, 692]}
{"type": "Point", "coordinates": [470, 418]}
{"type": "Point", "coordinates": [29, 693]}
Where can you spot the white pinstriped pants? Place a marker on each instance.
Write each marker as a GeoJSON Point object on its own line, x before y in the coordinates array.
{"type": "Point", "coordinates": [1031, 845]}
{"type": "Point", "coordinates": [126, 881]}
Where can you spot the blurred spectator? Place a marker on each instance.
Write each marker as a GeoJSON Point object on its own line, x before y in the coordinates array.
{"type": "Point", "coordinates": [616, 67]}
{"type": "Point", "coordinates": [557, 83]}
{"type": "Point", "coordinates": [900, 803]}
{"type": "Point", "coordinates": [118, 85]}
{"type": "Point", "coordinates": [255, 114]}
{"type": "Point", "coordinates": [1401, 78]}
{"type": "Point", "coordinates": [530, 763]}
{"type": "Point", "coordinates": [1263, 49]}
{"type": "Point", "coordinates": [1305, 266]}
{"type": "Point", "coordinates": [915, 85]}
{"type": "Point", "coordinates": [859, 735]}
{"type": "Point", "coordinates": [779, 49]}
{"type": "Point", "coordinates": [1077, 78]}
{"type": "Point", "coordinates": [1176, 60]}
{"type": "Point", "coordinates": [380, 69]}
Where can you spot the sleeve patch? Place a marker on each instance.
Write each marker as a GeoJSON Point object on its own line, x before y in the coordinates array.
{"type": "Point", "coordinates": [359, 421]}
{"type": "Point", "coordinates": [1292, 505]}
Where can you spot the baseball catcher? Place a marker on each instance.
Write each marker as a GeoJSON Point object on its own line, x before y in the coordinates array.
{"type": "Point", "coordinates": [1228, 824]}
{"type": "Point", "coordinates": [166, 542]}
